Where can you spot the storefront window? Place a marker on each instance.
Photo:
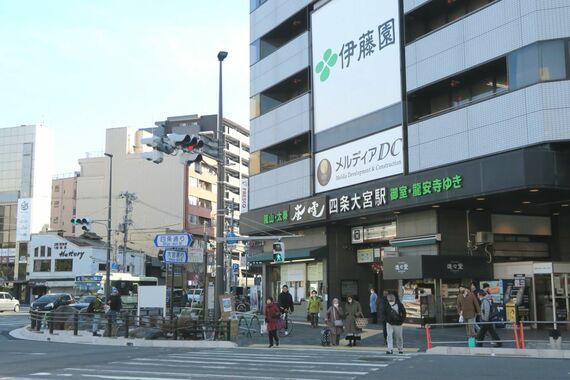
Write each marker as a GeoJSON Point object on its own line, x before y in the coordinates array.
{"type": "Point", "coordinates": [42, 265]}
{"type": "Point", "coordinates": [64, 265]}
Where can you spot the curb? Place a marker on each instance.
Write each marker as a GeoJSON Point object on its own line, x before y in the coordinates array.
{"type": "Point", "coordinates": [500, 352]}
{"type": "Point", "coordinates": [24, 334]}
{"type": "Point", "coordinates": [367, 349]}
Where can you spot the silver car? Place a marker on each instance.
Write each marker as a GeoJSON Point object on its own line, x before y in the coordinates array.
{"type": "Point", "coordinates": [9, 303]}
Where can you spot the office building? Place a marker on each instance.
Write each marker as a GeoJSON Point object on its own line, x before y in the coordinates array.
{"type": "Point", "coordinates": [415, 145]}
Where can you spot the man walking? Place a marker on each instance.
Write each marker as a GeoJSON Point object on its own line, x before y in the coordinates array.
{"type": "Point", "coordinates": [285, 301]}
{"type": "Point", "coordinates": [468, 309]}
{"type": "Point", "coordinates": [383, 306]}
{"type": "Point", "coordinates": [96, 307]}
{"type": "Point", "coordinates": [487, 315]}
{"type": "Point", "coordinates": [394, 315]}
{"type": "Point", "coordinates": [115, 304]}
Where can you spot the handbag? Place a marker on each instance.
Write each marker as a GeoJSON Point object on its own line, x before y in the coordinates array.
{"type": "Point", "coordinates": [361, 322]}
{"type": "Point", "coordinates": [263, 329]}
{"type": "Point", "coordinates": [338, 323]}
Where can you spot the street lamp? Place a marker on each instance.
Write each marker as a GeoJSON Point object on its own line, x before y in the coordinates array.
{"type": "Point", "coordinates": [220, 212]}
{"type": "Point", "coordinates": [108, 265]}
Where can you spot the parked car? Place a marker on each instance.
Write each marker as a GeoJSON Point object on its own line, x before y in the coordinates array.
{"type": "Point", "coordinates": [52, 301]}
{"type": "Point", "coordinates": [83, 302]}
{"type": "Point", "coordinates": [195, 295]}
{"type": "Point", "coordinates": [8, 303]}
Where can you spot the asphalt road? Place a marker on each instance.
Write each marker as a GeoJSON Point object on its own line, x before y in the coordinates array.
{"type": "Point", "coordinates": [44, 360]}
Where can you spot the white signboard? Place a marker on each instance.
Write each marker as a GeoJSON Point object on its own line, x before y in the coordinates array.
{"type": "Point", "coordinates": [152, 297]}
{"type": "Point", "coordinates": [542, 268]}
{"type": "Point", "coordinates": [356, 56]}
{"type": "Point", "coordinates": [24, 219]}
{"type": "Point", "coordinates": [373, 157]}
{"type": "Point", "coordinates": [244, 195]}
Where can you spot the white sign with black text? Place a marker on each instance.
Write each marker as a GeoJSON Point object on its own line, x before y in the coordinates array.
{"type": "Point", "coordinates": [24, 219]}
{"type": "Point", "coordinates": [372, 157]}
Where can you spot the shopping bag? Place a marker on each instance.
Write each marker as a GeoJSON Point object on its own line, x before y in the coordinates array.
{"type": "Point", "coordinates": [361, 322]}
{"type": "Point", "coordinates": [263, 328]}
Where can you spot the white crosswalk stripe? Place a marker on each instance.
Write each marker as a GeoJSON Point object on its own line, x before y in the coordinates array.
{"type": "Point", "coordinates": [243, 363]}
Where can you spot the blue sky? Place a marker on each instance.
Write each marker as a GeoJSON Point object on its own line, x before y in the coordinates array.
{"type": "Point", "coordinates": [81, 66]}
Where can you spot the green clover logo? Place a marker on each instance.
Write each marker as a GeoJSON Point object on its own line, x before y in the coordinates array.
{"type": "Point", "coordinates": [324, 67]}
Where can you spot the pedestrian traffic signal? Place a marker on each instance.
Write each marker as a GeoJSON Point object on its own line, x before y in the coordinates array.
{"type": "Point", "coordinates": [85, 223]}
{"type": "Point", "coordinates": [278, 252]}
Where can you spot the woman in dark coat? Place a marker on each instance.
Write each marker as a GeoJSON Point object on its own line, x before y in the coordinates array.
{"type": "Point", "coordinates": [273, 319]}
{"type": "Point", "coordinates": [334, 321]}
{"type": "Point", "coordinates": [352, 310]}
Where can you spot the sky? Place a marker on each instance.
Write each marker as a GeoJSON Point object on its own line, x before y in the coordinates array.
{"type": "Point", "coordinates": [82, 66]}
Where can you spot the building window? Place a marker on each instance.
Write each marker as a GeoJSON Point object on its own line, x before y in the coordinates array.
{"type": "Point", "coordinates": [36, 252]}
{"type": "Point", "coordinates": [539, 62]}
{"type": "Point", "coordinates": [56, 220]}
{"type": "Point", "coordinates": [42, 265]}
{"type": "Point", "coordinates": [474, 85]}
{"type": "Point", "coordinates": [102, 267]}
{"type": "Point", "coordinates": [279, 94]}
{"type": "Point", "coordinates": [287, 31]}
{"type": "Point", "coordinates": [193, 219]}
{"type": "Point", "coordinates": [254, 4]}
{"type": "Point", "coordinates": [204, 185]}
{"type": "Point", "coordinates": [192, 201]}
{"type": "Point", "coordinates": [56, 189]}
{"type": "Point", "coordinates": [438, 13]}
{"type": "Point", "coordinates": [280, 154]}
{"type": "Point", "coordinates": [64, 265]}
{"type": "Point", "coordinates": [204, 203]}
{"type": "Point", "coordinates": [56, 204]}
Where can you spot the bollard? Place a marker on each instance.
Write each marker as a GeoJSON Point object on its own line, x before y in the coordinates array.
{"type": "Point", "coordinates": [175, 328]}
{"type": "Point", "coordinates": [428, 337]}
{"type": "Point", "coordinates": [127, 327]}
{"type": "Point", "coordinates": [521, 336]}
{"type": "Point", "coordinates": [38, 322]}
{"type": "Point", "coordinates": [75, 323]}
{"type": "Point", "coordinates": [515, 330]}
{"type": "Point", "coordinates": [50, 322]}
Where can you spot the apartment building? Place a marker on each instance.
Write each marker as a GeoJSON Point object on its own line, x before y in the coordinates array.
{"type": "Point", "coordinates": [63, 202]}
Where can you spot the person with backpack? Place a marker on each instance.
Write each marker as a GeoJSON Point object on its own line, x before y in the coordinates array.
{"type": "Point", "coordinates": [394, 315]}
{"type": "Point", "coordinates": [489, 313]}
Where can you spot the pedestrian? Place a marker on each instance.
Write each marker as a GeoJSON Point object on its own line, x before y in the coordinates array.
{"type": "Point", "coordinates": [115, 305]}
{"type": "Point", "coordinates": [487, 315]}
{"type": "Point", "coordinates": [394, 315]}
{"type": "Point", "coordinates": [352, 310]}
{"type": "Point", "coordinates": [374, 306]}
{"type": "Point", "coordinates": [313, 308]}
{"type": "Point", "coordinates": [334, 318]}
{"type": "Point", "coordinates": [383, 306]}
{"type": "Point", "coordinates": [285, 301]}
{"type": "Point", "coordinates": [273, 321]}
{"type": "Point", "coordinates": [468, 309]}
{"type": "Point", "coordinates": [97, 308]}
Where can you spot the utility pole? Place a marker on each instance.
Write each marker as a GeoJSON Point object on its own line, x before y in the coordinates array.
{"type": "Point", "coordinates": [205, 283]}
{"type": "Point", "coordinates": [127, 221]}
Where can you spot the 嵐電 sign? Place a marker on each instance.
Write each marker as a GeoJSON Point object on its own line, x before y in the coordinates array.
{"type": "Point", "coordinates": [172, 240]}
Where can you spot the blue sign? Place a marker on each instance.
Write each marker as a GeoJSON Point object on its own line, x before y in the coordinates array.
{"type": "Point", "coordinates": [172, 256]}
{"type": "Point", "coordinates": [235, 268]}
{"type": "Point", "coordinates": [172, 240]}
{"type": "Point", "coordinates": [231, 238]}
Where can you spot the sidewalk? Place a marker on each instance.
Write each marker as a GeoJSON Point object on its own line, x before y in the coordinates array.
{"type": "Point", "coordinates": [85, 337]}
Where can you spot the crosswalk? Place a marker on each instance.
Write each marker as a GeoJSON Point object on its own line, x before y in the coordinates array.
{"type": "Point", "coordinates": [243, 363]}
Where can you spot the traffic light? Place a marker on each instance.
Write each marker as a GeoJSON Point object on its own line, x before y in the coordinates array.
{"type": "Point", "coordinates": [278, 252]}
{"type": "Point", "coordinates": [160, 144]}
{"type": "Point", "coordinates": [85, 223]}
{"type": "Point", "coordinates": [154, 156]}
{"type": "Point", "coordinates": [188, 143]}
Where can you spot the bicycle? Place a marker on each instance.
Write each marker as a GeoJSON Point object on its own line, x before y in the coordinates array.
{"type": "Point", "coordinates": [287, 324]}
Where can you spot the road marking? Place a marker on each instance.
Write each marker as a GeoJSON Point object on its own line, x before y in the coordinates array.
{"type": "Point", "coordinates": [184, 375]}
{"type": "Point", "coordinates": [263, 361]}
{"type": "Point", "coordinates": [331, 372]}
{"type": "Point", "coordinates": [41, 374]}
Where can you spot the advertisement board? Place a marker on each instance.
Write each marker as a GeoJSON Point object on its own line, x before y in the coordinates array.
{"type": "Point", "coordinates": [377, 156]}
{"type": "Point", "coordinates": [356, 56]}
{"type": "Point", "coordinates": [24, 219]}
{"type": "Point", "coordinates": [244, 195]}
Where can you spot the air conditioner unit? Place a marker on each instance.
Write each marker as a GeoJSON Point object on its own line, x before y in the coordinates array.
{"type": "Point", "coordinates": [483, 237]}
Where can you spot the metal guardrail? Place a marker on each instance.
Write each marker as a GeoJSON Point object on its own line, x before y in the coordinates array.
{"type": "Point", "coordinates": [248, 323]}
{"type": "Point", "coordinates": [124, 324]}
{"type": "Point", "coordinates": [517, 328]}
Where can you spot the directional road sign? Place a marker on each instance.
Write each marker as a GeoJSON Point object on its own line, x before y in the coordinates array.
{"type": "Point", "coordinates": [173, 256]}
{"type": "Point", "coordinates": [172, 240]}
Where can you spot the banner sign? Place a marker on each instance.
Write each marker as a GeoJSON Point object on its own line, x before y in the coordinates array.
{"type": "Point", "coordinates": [372, 157]}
